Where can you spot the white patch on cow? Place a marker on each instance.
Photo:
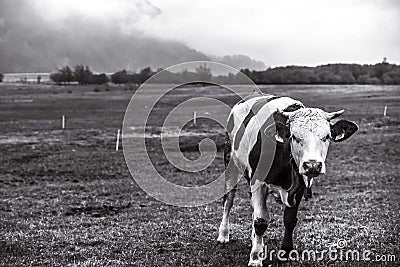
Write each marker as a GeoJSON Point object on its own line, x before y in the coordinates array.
{"type": "Point", "coordinates": [307, 181]}
{"type": "Point", "coordinates": [274, 189]}
{"type": "Point", "coordinates": [278, 138]}
{"type": "Point", "coordinates": [257, 184]}
{"type": "Point", "coordinates": [239, 113]}
{"type": "Point", "coordinates": [338, 137]}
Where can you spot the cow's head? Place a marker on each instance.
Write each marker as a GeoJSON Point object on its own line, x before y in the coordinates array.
{"type": "Point", "coordinates": [309, 131]}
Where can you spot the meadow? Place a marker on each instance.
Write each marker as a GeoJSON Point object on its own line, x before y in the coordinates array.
{"type": "Point", "coordinates": [67, 197]}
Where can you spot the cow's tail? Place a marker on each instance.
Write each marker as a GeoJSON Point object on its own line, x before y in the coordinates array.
{"type": "Point", "coordinates": [227, 149]}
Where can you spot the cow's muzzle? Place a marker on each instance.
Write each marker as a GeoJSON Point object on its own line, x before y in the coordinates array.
{"type": "Point", "coordinates": [312, 168]}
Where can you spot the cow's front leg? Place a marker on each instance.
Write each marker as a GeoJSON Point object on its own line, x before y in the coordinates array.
{"type": "Point", "coordinates": [223, 233]}
{"type": "Point", "coordinates": [290, 221]}
{"type": "Point", "coordinates": [260, 222]}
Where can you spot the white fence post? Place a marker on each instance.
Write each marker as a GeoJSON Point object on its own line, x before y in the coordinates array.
{"type": "Point", "coordinates": [194, 118]}
{"type": "Point", "coordinates": [117, 144]}
{"type": "Point", "coordinates": [63, 122]}
{"type": "Point", "coordinates": [384, 111]}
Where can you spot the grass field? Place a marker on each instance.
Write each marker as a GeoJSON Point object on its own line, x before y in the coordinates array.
{"type": "Point", "coordinates": [68, 199]}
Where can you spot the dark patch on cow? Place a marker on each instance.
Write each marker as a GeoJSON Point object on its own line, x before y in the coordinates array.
{"type": "Point", "coordinates": [307, 193]}
{"type": "Point", "coordinates": [254, 156]}
{"type": "Point", "coordinates": [281, 125]}
{"type": "Point", "coordinates": [293, 107]}
{"type": "Point", "coordinates": [247, 176]}
{"type": "Point", "coordinates": [273, 98]}
{"type": "Point", "coordinates": [253, 111]}
{"type": "Point", "coordinates": [260, 226]}
{"type": "Point", "coordinates": [227, 149]}
{"type": "Point", "coordinates": [297, 184]}
{"type": "Point", "coordinates": [230, 125]}
{"type": "Point", "coordinates": [242, 128]}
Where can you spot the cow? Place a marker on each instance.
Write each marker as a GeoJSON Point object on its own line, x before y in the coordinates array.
{"type": "Point", "coordinates": [279, 145]}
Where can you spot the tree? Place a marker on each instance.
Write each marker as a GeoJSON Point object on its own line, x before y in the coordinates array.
{"type": "Point", "coordinates": [98, 79]}
{"type": "Point", "coordinates": [346, 77]}
{"type": "Point", "coordinates": [56, 77]}
{"type": "Point", "coordinates": [392, 77]}
{"type": "Point", "coordinates": [122, 76]}
{"type": "Point", "coordinates": [203, 73]}
{"type": "Point", "coordinates": [68, 74]}
{"type": "Point", "coordinates": [245, 72]}
{"type": "Point", "coordinates": [82, 75]}
{"type": "Point", "coordinates": [143, 75]}
{"type": "Point", "coordinates": [64, 75]}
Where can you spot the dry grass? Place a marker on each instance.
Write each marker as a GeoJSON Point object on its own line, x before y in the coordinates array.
{"type": "Point", "coordinates": [67, 198]}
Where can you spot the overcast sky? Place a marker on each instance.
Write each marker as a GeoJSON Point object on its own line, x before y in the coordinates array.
{"type": "Point", "coordinates": [279, 32]}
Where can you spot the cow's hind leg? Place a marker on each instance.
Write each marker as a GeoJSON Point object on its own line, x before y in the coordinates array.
{"type": "Point", "coordinates": [232, 177]}
{"type": "Point", "coordinates": [260, 223]}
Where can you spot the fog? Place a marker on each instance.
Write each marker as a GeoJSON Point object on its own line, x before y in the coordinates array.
{"type": "Point", "coordinates": [41, 36]}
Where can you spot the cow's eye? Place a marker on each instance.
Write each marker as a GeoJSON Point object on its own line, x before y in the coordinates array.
{"type": "Point", "coordinates": [326, 138]}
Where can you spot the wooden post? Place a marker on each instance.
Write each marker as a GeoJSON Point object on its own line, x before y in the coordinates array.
{"type": "Point", "coordinates": [384, 111]}
{"type": "Point", "coordinates": [63, 122]}
{"type": "Point", "coordinates": [117, 144]}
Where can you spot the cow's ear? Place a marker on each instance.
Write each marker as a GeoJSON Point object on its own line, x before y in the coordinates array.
{"type": "Point", "coordinates": [281, 131]}
{"type": "Point", "coordinates": [342, 130]}
{"type": "Point", "coordinates": [333, 115]}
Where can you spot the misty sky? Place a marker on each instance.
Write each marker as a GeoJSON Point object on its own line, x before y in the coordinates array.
{"type": "Point", "coordinates": [42, 35]}
{"type": "Point", "coordinates": [279, 32]}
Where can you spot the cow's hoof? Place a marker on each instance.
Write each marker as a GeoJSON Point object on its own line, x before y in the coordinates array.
{"type": "Point", "coordinates": [255, 263]}
{"type": "Point", "coordinates": [223, 236]}
{"type": "Point", "coordinates": [223, 239]}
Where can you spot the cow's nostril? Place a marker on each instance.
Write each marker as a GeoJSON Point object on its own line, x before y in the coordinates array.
{"type": "Point", "coordinates": [312, 166]}
{"type": "Point", "coordinates": [306, 166]}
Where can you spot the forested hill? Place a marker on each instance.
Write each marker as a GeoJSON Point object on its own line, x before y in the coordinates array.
{"type": "Point", "coordinates": [381, 73]}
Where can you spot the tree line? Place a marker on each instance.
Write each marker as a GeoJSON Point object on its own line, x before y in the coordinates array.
{"type": "Point", "coordinates": [80, 74]}
{"type": "Point", "coordinates": [381, 73]}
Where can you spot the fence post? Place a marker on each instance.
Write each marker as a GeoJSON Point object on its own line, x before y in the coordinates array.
{"type": "Point", "coordinates": [117, 144]}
